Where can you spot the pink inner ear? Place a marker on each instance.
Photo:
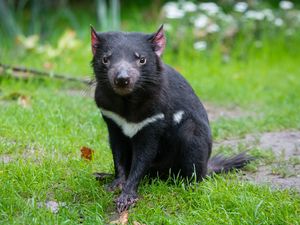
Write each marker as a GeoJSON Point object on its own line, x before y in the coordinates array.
{"type": "Point", "coordinates": [94, 40]}
{"type": "Point", "coordinates": [160, 42]}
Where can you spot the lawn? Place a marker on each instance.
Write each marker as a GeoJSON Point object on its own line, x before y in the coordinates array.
{"type": "Point", "coordinates": [41, 136]}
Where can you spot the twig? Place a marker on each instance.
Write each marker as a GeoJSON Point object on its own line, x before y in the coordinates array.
{"type": "Point", "coordinates": [45, 74]}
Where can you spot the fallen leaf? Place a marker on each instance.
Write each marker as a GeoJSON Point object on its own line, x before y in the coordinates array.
{"type": "Point", "coordinates": [137, 223]}
{"type": "Point", "coordinates": [87, 153]}
{"type": "Point", "coordinates": [24, 101]}
{"type": "Point", "coordinates": [123, 219]}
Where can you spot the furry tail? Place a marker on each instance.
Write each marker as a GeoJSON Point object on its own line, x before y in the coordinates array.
{"type": "Point", "coordinates": [219, 163]}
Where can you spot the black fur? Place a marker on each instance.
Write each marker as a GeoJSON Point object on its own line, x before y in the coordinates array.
{"type": "Point", "coordinates": [161, 146]}
{"type": "Point", "coordinates": [220, 164]}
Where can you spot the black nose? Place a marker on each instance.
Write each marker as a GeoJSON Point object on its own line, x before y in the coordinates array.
{"type": "Point", "coordinates": [122, 79]}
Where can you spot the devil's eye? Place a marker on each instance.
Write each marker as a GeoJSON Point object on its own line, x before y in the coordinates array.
{"type": "Point", "coordinates": [142, 60]}
{"type": "Point", "coordinates": [105, 60]}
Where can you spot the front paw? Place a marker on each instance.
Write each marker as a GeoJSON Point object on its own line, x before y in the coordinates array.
{"type": "Point", "coordinates": [124, 201]}
{"type": "Point", "coordinates": [117, 183]}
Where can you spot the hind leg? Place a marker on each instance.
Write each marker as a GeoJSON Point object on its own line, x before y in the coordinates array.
{"type": "Point", "coordinates": [195, 149]}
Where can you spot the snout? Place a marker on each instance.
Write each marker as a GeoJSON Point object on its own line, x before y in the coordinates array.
{"type": "Point", "coordinates": [123, 82]}
{"type": "Point", "coordinates": [122, 79]}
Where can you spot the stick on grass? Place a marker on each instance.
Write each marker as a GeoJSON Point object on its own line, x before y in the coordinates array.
{"type": "Point", "coordinates": [44, 74]}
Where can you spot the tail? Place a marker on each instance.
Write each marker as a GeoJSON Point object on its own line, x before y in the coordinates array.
{"type": "Point", "coordinates": [219, 163]}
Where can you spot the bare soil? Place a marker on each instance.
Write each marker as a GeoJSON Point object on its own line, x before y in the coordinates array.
{"type": "Point", "coordinates": [284, 169]}
{"type": "Point", "coordinates": [215, 112]}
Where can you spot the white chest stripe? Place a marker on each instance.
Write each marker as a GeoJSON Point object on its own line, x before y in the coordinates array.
{"type": "Point", "coordinates": [177, 117]}
{"type": "Point", "coordinates": [130, 129]}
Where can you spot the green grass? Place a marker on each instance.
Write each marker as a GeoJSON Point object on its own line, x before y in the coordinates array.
{"type": "Point", "coordinates": [43, 141]}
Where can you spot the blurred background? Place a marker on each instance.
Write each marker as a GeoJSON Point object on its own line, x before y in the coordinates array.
{"type": "Point", "coordinates": [222, 29]}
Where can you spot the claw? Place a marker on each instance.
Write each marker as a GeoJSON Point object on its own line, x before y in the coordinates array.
{"type": "Point", "coordinates": [125, 201]}
{"type": "Point", "coordinates": [116, 184]}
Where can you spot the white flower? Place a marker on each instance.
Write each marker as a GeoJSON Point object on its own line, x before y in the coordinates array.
{"type": "Point", "coordinates": [189, 6]}
{"type": "Point", "coordinates": [286, 5]}
{"type": "Point", "coordinates": [201, 21]}
{"type": "Point", "coordinates": [168, 27]}
{"type": "Point", "coordinates": [278, 22]}
{"type": "Point", "coordinates": [256, 15]}
{"type": "Point", "coordinates": [227, 18]}
{"type": "Point", "coordinates": [210, 7]}
{"type": "Point", "coordinates": [268, 14]}
{"type": "Point", "coordinates": [200, 45]}
{"type": "Point", "coordinates": [171, 11]}
{"type": "Point", "coordinates": [241, 7]}
{"type": "Point", "coordinates": [212, 28]}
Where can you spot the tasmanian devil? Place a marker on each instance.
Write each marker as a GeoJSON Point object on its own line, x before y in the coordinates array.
{"type": "Point", "coordinates": [156, 123]}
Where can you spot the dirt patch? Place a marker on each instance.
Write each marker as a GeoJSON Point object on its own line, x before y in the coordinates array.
{"type": "Point", "coordinates": [215, 112]}
{"type": "Point", "coordinates": [284, 169]}
{"type": "Point", "coordinates": [28, 153]}
{"type": "Point", "coordinates": [266, 175]}
{"type": "Point", "coordinates": [287, 143]}
{"type": "Point", "coordinates": [5, 159]}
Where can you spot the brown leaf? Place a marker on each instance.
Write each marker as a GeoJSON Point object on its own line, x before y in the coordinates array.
{"type": "Point", "coordinates": [137, 223]}
{"type": "Point", "coordinates": [87, 153]}
{"type": "Point", "coordinates": [24, 101]}
{"type": "Point", "coordinates": [123, 219]}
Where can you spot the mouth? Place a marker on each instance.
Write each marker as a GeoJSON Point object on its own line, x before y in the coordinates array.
{"type": "Point", "coordinates": [122, 90]}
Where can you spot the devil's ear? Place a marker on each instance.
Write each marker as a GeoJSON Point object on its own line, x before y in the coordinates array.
{"type": "Point", "coordinates": [158, 41]}
{"type": "Point", "coordinates": [94, 40]}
